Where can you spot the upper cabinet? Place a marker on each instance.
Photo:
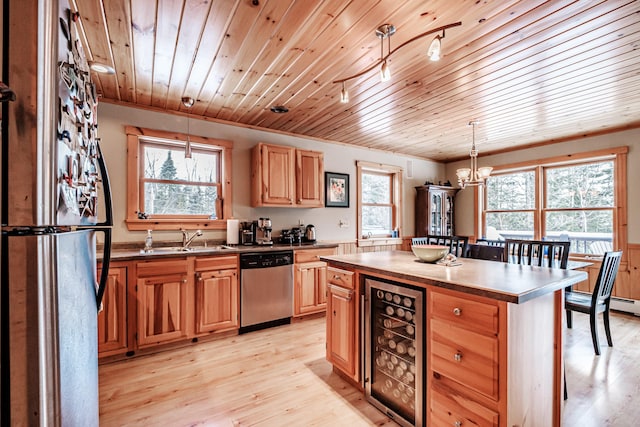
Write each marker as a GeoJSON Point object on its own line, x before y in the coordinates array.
{"type": "Point", "coordinates": [434, 210]}
{"type": "Point", "coordinates": [286, 176]}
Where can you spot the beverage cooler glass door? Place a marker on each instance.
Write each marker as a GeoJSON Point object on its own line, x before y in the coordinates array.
{"type": "Point", "coordinates": [394, 351]}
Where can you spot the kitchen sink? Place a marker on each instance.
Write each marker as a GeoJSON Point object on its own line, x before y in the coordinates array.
{"type": "Point", "coordinates": [191, 249]}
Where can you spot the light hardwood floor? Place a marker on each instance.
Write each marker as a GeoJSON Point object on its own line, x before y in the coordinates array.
{"type": "Point", "coordinates": [279, 377]}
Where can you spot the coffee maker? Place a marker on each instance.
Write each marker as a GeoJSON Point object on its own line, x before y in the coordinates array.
{"type": "Point", "coordinates": [263, 231]}
{"type": "Point", "coordinates": [248, 232]}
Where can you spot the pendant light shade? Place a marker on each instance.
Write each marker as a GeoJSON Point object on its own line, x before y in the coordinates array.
{"type": "Point", "coordinates": [344, 94]}
{"type": "Point", "coordinates": [434, 48]}
{"type": "Point", "coordinates": [385, 72]}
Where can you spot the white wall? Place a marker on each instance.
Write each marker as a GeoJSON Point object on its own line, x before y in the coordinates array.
{"type": "Point", "coordinates": [630, 138]}
{"type": "Point", "coordinates": [337, 158]}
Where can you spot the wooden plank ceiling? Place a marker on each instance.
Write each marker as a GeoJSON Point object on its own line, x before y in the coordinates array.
{"type": "Point", "coordinates": [529, 71]}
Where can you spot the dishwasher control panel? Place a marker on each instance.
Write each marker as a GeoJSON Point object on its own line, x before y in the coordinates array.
{"type": "Point", "coordinates": [265, 259]}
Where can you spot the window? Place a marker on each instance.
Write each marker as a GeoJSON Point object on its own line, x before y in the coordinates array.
{"type": "Point", "coordinates": [173, 191]}
{"type": "Point", "coordinates": [572, 200]}
{"type": "Point", "coordinates": [379, 208]}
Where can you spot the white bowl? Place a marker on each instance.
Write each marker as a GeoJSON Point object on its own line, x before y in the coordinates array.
{"type": "Point", "coordinates": [430, 253]}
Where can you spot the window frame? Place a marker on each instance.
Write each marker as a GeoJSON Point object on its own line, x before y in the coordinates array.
{"type": "Point", "coordinates": [395, 174]}
{"type": "Point", "coordinates": [135, 181]}
{"type": "Point", "coordinates": [617, 155]}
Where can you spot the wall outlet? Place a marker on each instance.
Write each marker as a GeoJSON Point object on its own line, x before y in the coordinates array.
{"type": "Point", "coordinates": [343, 223]}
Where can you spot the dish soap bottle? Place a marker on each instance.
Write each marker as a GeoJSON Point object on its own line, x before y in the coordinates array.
{"type": "Point", "coordinates": [148, 242]}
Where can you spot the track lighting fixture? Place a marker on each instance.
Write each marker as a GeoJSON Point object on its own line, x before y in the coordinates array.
{"type": "Point", "coordinates": [385, 31]}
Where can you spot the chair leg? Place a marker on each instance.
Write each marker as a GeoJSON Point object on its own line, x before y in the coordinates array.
{"type": "Point", "coordinates": [569, 318]}
{"type": "Point", "coordinates": [594, 332]}
{"type": "Point", "coordinates": [566, 396]}
{"type": "Point", "coordinates": [605, 316]}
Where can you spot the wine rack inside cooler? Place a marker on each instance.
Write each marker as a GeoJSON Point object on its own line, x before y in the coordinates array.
{"type": "Point", "coordinates": [394, 350]}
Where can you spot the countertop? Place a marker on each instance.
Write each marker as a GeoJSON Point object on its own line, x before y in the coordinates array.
{"type": "Point", "coordinates": [171, 252]}
{"type": "Point", "coordinates": [497, 280]}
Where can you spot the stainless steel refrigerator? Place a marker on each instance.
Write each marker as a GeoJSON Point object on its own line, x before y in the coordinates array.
{"type": "Point", "coordinates": [55, 207]}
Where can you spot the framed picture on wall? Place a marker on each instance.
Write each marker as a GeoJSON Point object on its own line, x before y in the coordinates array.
{"type": "Point", "coordinates": [337, 190]}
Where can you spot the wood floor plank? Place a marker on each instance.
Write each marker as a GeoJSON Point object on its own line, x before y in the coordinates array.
{"type": "Point", "coordinates": [279, 377]}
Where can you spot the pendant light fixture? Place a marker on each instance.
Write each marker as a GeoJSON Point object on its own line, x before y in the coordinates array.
{"type": "Point", "coordinates": [385, 31]}
{"type": "Point", "coordinates": [188, 102]}
{"type": "Point", "coordinates": [473, 176]}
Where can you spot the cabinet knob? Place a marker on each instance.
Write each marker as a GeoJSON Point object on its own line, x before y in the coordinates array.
{"type": "Point", "coordinates": [457, 357]}
{"type": "Point", "coordinates": [184, 280]}
{"type": "Point", "coordinates": [336, 277]}
{"type": "Point", "coordinates": [457, 311]}
{"type": "Point", "coordinates": [457, 424]}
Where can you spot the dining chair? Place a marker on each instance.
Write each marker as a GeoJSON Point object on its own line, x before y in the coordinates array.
{"type": "Point", "coordinates": [457, 244]}
{"type": "Point", "coordinates": [598, 301]}
{"type": "Point", "coordinates": [543, 253]}
{"type": "Point", "coordinates": [490, 242]}
{"type": "Point", "coordinates": [486, 252]}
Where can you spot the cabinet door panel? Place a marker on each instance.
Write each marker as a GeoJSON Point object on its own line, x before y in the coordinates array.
{"type": "Point", "coordinates": [112, 320]}
{"type": "Point", "coordinates": [216, 301]}
{"type": "Point", "coordinates": [341, 328]}
{"type": "Point", "coordinates": [309, 178]}
{"type": "Point", "coordinates": [278, 175]}
{"type": "Point", "coordinates": [162, 303]}
{"type": "Point", "coordinates": [309, 292]}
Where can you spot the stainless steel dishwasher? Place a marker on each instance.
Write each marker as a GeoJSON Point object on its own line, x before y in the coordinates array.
{"type": "Point", "coordinates": [266, 289]}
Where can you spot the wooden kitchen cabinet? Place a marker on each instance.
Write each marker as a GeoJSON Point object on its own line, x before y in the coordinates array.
{"type": "Point", "coordinates": [463, 360]}
{"type": "Point", "coordinates": [343, 310]}
{"type": "Point", "coordinates": [310, 281]}
{"type": "Point", "coordinates": [164, 292]}
{"type": "Point", "coordinates": [434, 210]}
{"type": "Point", "coordinates": [284, 176]}
{"type": "Point", "coordinates": [112, 319]}
{"type": "Point", "coordinates": [217, 294]}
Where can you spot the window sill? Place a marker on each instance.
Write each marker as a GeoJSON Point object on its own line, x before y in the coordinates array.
{"type": "Point", "coordinates": [379, 241]}
{"type": "Point", "coordinates": [175, 224]}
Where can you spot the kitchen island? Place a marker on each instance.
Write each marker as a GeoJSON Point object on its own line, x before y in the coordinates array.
{"type": "Point", "coordinates": [493, 334]}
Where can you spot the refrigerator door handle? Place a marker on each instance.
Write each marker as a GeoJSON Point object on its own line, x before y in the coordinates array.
{"type": "Point", "coordinates": [106, 188]}
{"type": "Point", "coordinates": [106, 261]}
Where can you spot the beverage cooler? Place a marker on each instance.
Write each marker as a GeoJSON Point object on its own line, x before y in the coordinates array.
{"type": "Point", "coordinates": [394, 349]}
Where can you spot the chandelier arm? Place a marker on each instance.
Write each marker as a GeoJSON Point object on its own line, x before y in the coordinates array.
{"type": "Point", "coordinates": [381, 60]}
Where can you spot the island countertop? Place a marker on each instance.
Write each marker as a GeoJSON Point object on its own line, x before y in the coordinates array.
{"type": "Point", "coordinates": [497, 280]}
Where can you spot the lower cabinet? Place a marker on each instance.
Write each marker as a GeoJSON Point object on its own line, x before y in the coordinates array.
{"type": "Point", "coordinates": [112, 319]}
{"type": "Point", "coordinates": [163, 301]}
{"type": "Point", "coordinates": [343, 310]}
{"type": "Point", "coordinates": [217, 294]}
{"type": "Point", "coordinates": [310, 281]}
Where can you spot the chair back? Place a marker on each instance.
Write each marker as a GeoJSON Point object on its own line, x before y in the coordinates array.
{"type": "Point", "coordinates": [457, 244]}
{"type": "Point", "coordinates": [486, 252]}
{"type": "Point", "coordinates": [490, 242]}
{"type": "Point", "coordinates": [606, 278]}
{"type": "Point", "coordinates": [543, 253]}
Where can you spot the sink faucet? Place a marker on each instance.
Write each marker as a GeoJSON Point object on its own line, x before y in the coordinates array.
{"type": "Point", "coordinates": [186, 239]}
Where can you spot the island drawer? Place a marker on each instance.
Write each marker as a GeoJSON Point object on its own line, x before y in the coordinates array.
{"type": "Point", "coordinates": [465, 313]}
{"type": "Point", "coordinates": [340, 277]}
{"type": "Point", "coordinates": [449, 408]}
{"type": "Point", "coordinates": [466, 357]}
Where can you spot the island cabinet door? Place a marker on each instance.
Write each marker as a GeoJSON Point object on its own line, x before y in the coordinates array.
{"type": "Point", "coordinates": [341, 329]}
{"type": "Point", "coordinates": [217, 301]}
{"type": "Point", "coordinates": [112, 319]}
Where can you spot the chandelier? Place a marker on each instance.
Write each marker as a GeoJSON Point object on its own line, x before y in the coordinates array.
{"type": "Point", "coordinates": [473, 176]}
{"type": "Point", "coordinates": [385, 31]}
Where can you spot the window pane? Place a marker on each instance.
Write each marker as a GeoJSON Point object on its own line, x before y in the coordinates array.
{"type": "Point", "coordinates": [170, 163]}
{"type": "Point", "coordinates": [514, 191]}
{"type": "Point", "coordinates": [590, 232]}
{"type": "Point", "coordinates": [376, 220]}
{"type": "Point", "coordinates": [580, 186]}
{"type": "Point", "coordinates": [178, 199]}
{"type": "Point", "coordinates": [510, 225]}
{"type": "Point", "coordinates": [376, 189]}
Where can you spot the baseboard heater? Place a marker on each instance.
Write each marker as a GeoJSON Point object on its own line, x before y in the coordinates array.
{"type": "Point", "coordinates": [627, 305]}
